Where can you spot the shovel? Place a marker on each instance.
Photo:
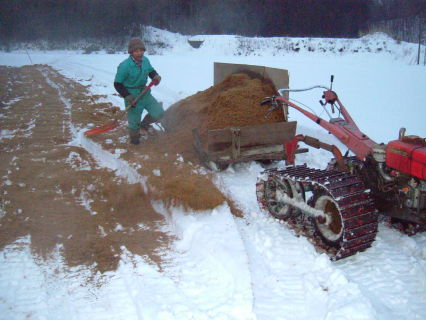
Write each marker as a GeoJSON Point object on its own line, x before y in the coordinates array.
{"type": "Point", "coordinates": [115, 123]}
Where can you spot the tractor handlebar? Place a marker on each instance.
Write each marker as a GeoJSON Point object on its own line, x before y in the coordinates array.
{"type": "Point", "coordinates": [328, 96]}
{"type": "Point", "coordinates": [280, 91]}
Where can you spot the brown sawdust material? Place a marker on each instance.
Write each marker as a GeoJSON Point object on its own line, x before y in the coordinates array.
{"type": "Point", "coordinates": [239, 106]}
{"type": "Point", "coordinates": [46, 197]}
{"type": "Point", "coordinates": [178, 183]}
{"type": "Point", "coordinates": [49, 207]}
{"type": "Point", "coordinates": [235, 102]}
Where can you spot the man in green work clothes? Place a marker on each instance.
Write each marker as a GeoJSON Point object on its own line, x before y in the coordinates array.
{"type": "Point", "coordinates": [130, 80]}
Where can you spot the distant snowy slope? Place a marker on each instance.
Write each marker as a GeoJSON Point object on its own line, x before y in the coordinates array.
{"type": "Point", "coordinates": [164, 42]}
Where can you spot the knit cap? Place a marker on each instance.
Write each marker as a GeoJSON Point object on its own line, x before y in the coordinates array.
{"type": "Point", "coordinates": [135, 43]}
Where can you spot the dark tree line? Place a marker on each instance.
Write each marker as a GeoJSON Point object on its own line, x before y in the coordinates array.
{"type": "Point", "coordinates": [76, 19]}
{"type": "Point", "coordinates": [402, 19]}
{"type": "Point", "coordinates": [383, 10]}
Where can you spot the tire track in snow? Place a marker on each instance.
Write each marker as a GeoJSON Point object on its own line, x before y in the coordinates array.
{"type": "Point", "coordinates": [210, 267]}
{"type": "Point", "coordinates": [273, 282]}
{"type": "Point", "coordinates": [392, 274]}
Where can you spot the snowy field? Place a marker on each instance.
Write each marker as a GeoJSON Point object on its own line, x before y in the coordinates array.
{"type": "Point", "coordinates": [223, 267]}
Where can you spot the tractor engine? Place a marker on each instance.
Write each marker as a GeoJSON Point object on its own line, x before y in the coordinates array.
{"type": "Point", "coordinates": [402, 164]}
{"type": "Point", "coordinates": [407, 157]}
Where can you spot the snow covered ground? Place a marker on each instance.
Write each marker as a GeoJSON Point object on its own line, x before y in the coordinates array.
{"type": "Point", "coordinates": [223, 267]}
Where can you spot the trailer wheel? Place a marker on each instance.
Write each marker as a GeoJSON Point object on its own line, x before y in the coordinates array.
{"type": "Point", "coordinates": [331, 233]}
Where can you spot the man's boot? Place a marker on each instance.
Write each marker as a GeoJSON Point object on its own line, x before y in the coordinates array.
{"type": "Point", "coordinates": [134, 136]}
{"type": "Point", "coordinates": [146, 128]}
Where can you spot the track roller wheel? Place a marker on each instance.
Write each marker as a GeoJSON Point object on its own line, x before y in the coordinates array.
{"type": "Point", "coordinates": [271, 194]}
{"type": "Point", "coordinates": [331, 229]}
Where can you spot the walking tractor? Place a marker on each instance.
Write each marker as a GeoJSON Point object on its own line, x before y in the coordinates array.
{"type": "Point", "coordinates": [338, 207]}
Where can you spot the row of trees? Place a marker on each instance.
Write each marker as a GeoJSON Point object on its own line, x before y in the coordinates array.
{"type": "Point", "coordinates": [383, 10]}
{"type": "Point", "coordinates": [76, 19]}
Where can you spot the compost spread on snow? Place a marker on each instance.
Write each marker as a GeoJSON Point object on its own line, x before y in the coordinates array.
{"type": "Point", "coordinates": [57, 190]}
{"type": "Point", "coordinates": [168, 158]}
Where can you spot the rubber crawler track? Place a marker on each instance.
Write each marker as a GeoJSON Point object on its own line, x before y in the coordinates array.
{"type": "Point", "coordinates": [358, 212]}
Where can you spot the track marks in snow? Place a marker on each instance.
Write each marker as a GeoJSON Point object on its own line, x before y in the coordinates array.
{"type": "Point", "coordinates": [20, 301]}
{"type": "Point", "coordinates": [392, 274]}
{"type": "Point", "coordinates": [287, 268]}
{"type": "Point", "coordinates": [275, 270]}
{"type": "Point", "coordinates": [52, 291]}
{"type": "Point", "coordinates": [208, 264]}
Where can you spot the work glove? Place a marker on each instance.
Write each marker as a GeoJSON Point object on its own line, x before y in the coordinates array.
{"type": "Point", "coordinates": [156, 79]}
{"type": "Point", "coordinates": [130, 99]}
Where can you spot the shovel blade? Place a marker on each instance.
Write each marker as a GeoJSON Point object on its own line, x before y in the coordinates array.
{"type": "Point", "coordinates": [102, 129]}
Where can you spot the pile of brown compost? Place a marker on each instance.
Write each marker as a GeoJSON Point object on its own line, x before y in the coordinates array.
{"type": "Point", "coordinates": [234, 102]}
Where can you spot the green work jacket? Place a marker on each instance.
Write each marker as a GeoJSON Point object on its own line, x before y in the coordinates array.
{"type": "Point", "coordinates": [132, 77]}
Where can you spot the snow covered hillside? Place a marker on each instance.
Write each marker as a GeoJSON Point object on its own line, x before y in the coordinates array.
{"type": "Point", "coordinates": [220, 266]}
{"type": "Point", "coordinates": [166, 42]}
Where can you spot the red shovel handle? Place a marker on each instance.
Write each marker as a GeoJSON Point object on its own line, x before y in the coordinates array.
{"type": "Point", "coordinates": [152, 83]}
{"type": "Point", "coordinates": [109, 126]}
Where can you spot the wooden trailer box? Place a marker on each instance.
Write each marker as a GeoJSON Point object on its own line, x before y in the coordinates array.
{"type": "Point", "coordinates": [246, 143]}
{"type": "Point", "coordinates": [231, 145]}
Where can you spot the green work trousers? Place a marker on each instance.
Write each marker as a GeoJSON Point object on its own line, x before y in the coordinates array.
{"type": "Point", "coordinates": [148, 103]}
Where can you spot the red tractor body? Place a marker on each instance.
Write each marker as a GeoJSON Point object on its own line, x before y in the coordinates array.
{"type": "Point", "coordinates": [407, 157]}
